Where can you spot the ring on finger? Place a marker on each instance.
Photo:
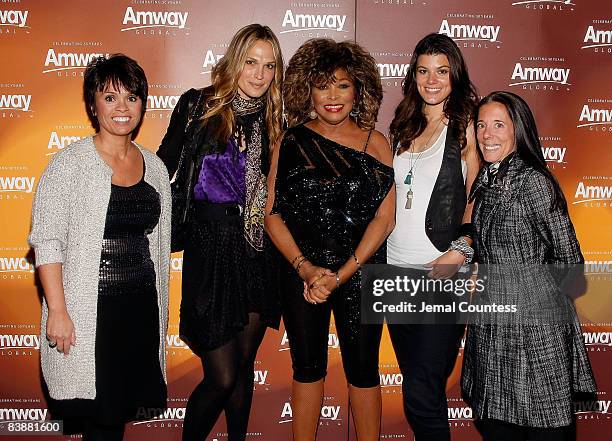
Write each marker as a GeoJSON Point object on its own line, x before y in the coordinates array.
{"type": "Point", "coordinates": [52, 344]}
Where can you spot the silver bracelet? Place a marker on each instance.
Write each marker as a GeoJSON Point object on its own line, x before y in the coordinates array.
{"type": "Point", "coordinates": [337, 279]}
{"type": "Point", "coordinates": [461, 246]}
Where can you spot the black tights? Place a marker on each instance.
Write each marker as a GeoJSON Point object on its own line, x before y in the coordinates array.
{"type": "Point", "coordinates": [227, 385]}
{"type": "Point", "coordinates": [98, 432]}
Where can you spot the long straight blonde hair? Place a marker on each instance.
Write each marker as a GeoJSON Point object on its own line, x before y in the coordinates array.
{"type": "Point", "coordinates": [227, 71]}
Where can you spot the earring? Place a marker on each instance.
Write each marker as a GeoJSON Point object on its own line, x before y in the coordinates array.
{"type": "Point", "coordinates": [313, 114]}
{"type": "Point", "coordinates": [354, 112]}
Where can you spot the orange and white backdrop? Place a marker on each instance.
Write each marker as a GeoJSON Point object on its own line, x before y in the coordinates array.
{"type": "Point", "coordinates": [557, 54]}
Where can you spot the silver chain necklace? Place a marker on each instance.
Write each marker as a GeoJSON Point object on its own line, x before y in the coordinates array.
{"type": "Point", "coordinates": [412, 163]}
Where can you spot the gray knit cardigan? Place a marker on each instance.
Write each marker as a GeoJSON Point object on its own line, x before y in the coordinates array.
{"type": "Point", "coordinates": [68, 218]}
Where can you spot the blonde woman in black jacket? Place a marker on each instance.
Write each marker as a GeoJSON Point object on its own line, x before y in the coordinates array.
{"type": "Point", "coordinates": [224, 132]}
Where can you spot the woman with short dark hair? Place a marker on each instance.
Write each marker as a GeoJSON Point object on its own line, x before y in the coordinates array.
{"type": "Point", "coordinates": [520, 376]}
{"type": "Point", "coordinates": [330, 208]}
{"type": "Point", "coordinates": [101, 235]}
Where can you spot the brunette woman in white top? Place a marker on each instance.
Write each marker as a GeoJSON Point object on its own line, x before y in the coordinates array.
{"type": "Point", "coordinates": [435, 164]}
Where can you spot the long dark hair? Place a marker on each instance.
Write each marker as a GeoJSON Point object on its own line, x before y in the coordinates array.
{"type": "Point", "coordinates": [526, 138]}
{"type": "Point", "coordinates": [409, 121]}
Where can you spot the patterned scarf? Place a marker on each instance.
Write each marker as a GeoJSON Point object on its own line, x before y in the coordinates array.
{"type": "Point", "coordinates": [250, 126]}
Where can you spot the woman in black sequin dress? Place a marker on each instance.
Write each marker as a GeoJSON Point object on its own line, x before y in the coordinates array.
{"type": "Point", "coordinates": [330, 208]}
{"type": "Point", "coordinates": [228, 294]}
{"type": "Point", "coordinates": [113, 220]}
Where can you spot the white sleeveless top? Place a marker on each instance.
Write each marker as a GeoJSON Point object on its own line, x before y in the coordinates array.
{"type": "Point", "coordinates": [408, 244]}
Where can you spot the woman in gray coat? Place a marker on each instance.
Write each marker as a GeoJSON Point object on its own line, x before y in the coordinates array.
{"type": "Point", "coordinates": [520, 377]}
{"type": "Point", "coordinates": [101, 235]}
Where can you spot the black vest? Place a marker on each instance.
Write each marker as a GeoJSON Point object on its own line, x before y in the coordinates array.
{"type": "Point", "coordinates": [448, 199]}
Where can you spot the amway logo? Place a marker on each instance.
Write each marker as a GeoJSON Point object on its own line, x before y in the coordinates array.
{"type": "Point", "coordinates": [460, 413]}
{"type": "Point", "coordinates": [174, 341]}
{"type": "Point", "coordinates": [260, 377]}
{"type": "Point", "coordinates": [597, 338]}
{"type": "Point", "coordinates": [210, 59]}
{"type": "Point", "coordinates": [153, 19]}
{"type": "Point", "coordinates": [176, 264]}
{"type": "Point", "coordinates": [14, 18]}
{"type": "Point", "coordinates": [151, 415]}
{"type": "Point", "coordinates": [332, 341]}
{"type": "Point", "coordinates": [595, 116]}
{"type": "Point", "coordinates": [17, 183]}
{"type": "Point", "coordinates": [387, 380]}
{"type": "Point", "coordinates": [327, 413]}
{"type": "Point", "coordinates": [161, 102]}
{"type": "Point", "coordinates": [68, 60]}
{"type": "Point", "coordinates": [15, 265]}
{"type": "Point", "coordinates": [530, 75]}
{"type": "Point", "coordinates": [19, 341]}
{"type": "Point", "coordinates": [304, 22]}
{"type": "Point", "coordinates": [597, 38]}
{"type": "Point", "coordinates": [554, 154]}
{"type": "Point", "coordinates": [23, 414]}
{"type": "Point", "coordinates": [15, 102]}
{"type": "Point", "coordinates": [59, 142]}
{"type": "Point", "coordinates": [528, 2]}
{"type": "Point", "coordinates": [599, 406]}
{"type": "Point", "coordinates": [392, 70]}
{"type": "Point", "coordinates": [470, 32]}
{"type": "Point", "coordinates": [598, 267]}
{"type": "Point", "coordinates": [589, 193]}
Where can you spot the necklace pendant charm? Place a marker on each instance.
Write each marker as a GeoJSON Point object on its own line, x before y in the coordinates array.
{"type": "Point", "coordinates": [408, 179]}
{"type": "Point", "coordinates": [409, 196]}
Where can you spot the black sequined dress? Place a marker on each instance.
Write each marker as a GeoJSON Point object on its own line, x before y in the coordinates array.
{"type": "Point", "coordinates": [327, 194]}
{"type": "Point", "coordinates": [128, 373]}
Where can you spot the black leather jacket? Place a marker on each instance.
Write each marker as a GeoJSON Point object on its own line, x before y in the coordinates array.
{"type": "Point", "coordinates": [195, 140]}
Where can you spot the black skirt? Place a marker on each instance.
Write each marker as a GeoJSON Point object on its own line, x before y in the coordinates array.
{"type": "Point", "coordinates": [224, 279]}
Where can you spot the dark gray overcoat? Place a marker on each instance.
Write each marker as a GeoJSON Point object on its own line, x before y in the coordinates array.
{"type": "Point", "coordinates": [524, 373]}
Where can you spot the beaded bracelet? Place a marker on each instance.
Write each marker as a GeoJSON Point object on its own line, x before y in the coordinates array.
{"type": "Point", "coordinates": [296, 258]}
{"type": "Point", "coordinates": [300, 263]}
{"type": "Point", "coordinates": [461, 246]}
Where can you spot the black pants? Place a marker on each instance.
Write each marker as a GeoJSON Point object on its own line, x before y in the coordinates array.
{"type": "Point", "coordinates": [97, 432]}
{"type": "Point", "coordinates": [307, 327]}
{"type": "Point", "coordinates": [426, 355]}
{"type": "Point", "coordinates": [496, 430]}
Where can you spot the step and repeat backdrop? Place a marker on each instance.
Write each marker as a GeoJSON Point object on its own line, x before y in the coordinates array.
{"type": "Point", "coordinates": [557, 54]}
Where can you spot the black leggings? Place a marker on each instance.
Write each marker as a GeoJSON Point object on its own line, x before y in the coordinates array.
{"type": "Point", "coordinates": [227, 385]}
{"type": "Point", "coordinates": [307, 327]}
{"type": "Point", "coordinates": [496, 430]}
{"type": "Point", "coordinates": [99, 432]}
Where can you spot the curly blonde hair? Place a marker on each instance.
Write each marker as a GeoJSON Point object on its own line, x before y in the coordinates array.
{"type": "Point", "coordinates": [225, 77]}
{"type": "Point", "coordinates": [314, 64]}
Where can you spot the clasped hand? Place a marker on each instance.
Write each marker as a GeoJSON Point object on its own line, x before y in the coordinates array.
{"type": "Point", "coordinates": [319, 283]}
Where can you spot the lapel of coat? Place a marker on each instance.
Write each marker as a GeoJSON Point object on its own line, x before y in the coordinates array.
{"type": "Point", "coordinates": [507, 191]}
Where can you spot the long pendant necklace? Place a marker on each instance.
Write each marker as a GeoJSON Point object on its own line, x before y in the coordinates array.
{"type": "Point", "coordinates": [409, 180]}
